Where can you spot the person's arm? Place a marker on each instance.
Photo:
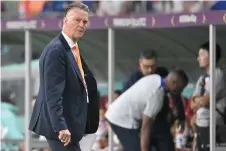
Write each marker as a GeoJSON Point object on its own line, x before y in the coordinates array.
{"type": "Point", "coordinates": [145, 132]}
{"type": "Point", "coordinates": [196, 94]}
{"type": "Point", "coordinates": [202, 101]}
{"type": "Point", "coordinates": [153, 106]}
{"type": "Point", "coordinates": [193, 104]}
{"type": "Point", "coordinates": [54, 84]}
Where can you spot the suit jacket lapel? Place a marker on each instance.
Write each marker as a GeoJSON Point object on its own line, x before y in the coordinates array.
{"type": "Point", "coordinates": [85, 67]}
{"type": "Point", "coordinates": [70, 56]}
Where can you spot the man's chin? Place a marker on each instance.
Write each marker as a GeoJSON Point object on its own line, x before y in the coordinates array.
{"type": "Point", "coordinates": [78, 37]}
{"type": "Point", "coordinates": [147, 74]}
{"type": "Point", "coordinates": [202, 67]}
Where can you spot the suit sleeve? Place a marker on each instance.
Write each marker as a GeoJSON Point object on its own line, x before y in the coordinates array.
{"type": "Point", "coordinates": [126, 85]}
{"type": "Point", "coordinates": [129, 83]}
{"type": "Point", "coordinates": [54, 75]}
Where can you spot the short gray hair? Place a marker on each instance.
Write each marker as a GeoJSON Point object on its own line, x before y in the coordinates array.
{"type": "Point", "coordinates": [76, 5]}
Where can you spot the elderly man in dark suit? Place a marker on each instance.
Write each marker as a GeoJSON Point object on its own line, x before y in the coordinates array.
{"type": "Point", "coordinates": [67, 105]}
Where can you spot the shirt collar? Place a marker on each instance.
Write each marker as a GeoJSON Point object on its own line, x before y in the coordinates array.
{"type": "Point", "coordinates": [69, 41]}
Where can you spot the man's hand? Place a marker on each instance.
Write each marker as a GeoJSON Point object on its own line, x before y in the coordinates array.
{"type": "Point", "coordinates": [65, 137]}
{"type": "Point", "coordinates": [193, 123]}
{"type": "Point", "coordinates": [194, 103]}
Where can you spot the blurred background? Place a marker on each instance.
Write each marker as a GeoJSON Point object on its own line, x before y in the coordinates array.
{"type": "Point", "coordinates": [172, 49]}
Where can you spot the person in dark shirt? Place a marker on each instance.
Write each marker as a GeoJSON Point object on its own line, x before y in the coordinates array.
{"type": "Point", "coordinates": [147, 66]}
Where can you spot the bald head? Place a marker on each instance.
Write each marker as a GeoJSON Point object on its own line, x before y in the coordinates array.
{"type": "Point", "coordinates": [177, 80]}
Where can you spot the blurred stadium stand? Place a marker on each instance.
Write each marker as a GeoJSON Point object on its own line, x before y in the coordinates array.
{"type": "Point", "coordinates": [31, 9]}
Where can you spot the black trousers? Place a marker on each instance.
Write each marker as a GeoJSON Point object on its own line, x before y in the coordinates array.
{"type": "Point", "coordinates": [162, 143]}
{"type": "Point", "coordinates": [129, 138]}
{"type": "Point", "coordinates": [56, 145]}
{"type": "Point", "coordinates": [161, 137]}
{"type": "Point", "coordinates": [162, 140]}
{"type": "Point", "coordinates": [203, 137]}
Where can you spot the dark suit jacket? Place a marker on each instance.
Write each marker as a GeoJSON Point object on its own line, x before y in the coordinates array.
{"type": "Point", "coordinates": [136, 76]}
{"type": "Point", "coordinates": [62, 98]}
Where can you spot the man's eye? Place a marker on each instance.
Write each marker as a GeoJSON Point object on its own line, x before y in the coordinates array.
{"type": "Point", "coordinates": [77, 20]}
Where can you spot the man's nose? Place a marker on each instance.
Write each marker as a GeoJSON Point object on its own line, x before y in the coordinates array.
{"type": "Point", "coordinates": [81, 23]}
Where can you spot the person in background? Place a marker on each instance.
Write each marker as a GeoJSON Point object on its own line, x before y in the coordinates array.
{"type": "Point", "coordinates": [218, 5]}
{"type": "Point", "coordinates": [93, 5]}
{"type": "Point", "coordinates": [56, 6]}
{"type": "Point", "coordinates": [147, 66]}
{"type": "Point", "coordinates": [163, 72]}
{"type": "Point", "coordinates": [61, 6]}
{"type": "Point", "coordinates": [165, 118]}
{"type": "Point", "coordinates": [48, 6]}
{"type": "Point", "coordinates": [170, 4]}
{"type": "Point", "coordinates": [9, 129]}
{"type": "Point", "coordinates": [109, 8]}
{"type": "Point", "coordinates": [103, 127]}
{"type": "Point", "coordinates": [201, 96]}
{"type": "Point", "coordinates": [137, 109]}
{"type": "Point", "coordinates": [104, 99]}
{"type": "Point", "coordinates": [103, 102]}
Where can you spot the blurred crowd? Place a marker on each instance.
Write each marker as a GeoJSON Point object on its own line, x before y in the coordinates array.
{"type": "Point", "coordinates": [31, 9]}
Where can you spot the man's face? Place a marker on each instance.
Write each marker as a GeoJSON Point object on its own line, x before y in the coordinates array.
{"type": "Point", "coordinates": [203, 58]}
{"type": "Point", "coordinates": [148, 66]}
{"type": "Point", "coordinates": [174, 84]}
{"type": "Point", "coordinates": [76, 22]}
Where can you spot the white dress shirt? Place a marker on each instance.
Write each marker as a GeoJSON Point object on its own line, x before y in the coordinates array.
{"type": "Point", "coordinates": [72, 45]}
{"type": "Point", "coordinates": [145, 97]}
